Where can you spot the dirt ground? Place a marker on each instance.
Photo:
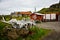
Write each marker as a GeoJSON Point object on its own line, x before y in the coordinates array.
{"type": "Point", "coordinates": [53, 26]}
{"type": "Point", "coordinates": [49, 25]}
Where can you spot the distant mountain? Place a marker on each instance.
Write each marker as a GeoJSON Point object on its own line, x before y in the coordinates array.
{"type": "Point", "coordinates": [57, 5]}
{"type": "Point", "coordinates": [52, 9]}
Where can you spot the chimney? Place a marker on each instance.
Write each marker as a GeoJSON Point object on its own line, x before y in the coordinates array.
{"type": "Point", "coordinates": [34, 9]}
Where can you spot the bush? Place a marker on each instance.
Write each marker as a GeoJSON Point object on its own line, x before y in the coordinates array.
{"type": "Point", "coordinates": [0, 17]}
{"type": "Point", "coordinates": [7, 17]}
{"type": "Point", "coordinates": [38, 21]}
{"type": "Point", "coordinates": [35, 33]}
{"type": "Point", "coordinates": [2, 25]}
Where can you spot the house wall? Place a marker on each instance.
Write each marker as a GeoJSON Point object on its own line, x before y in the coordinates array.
{"type": "Point", "coordinates": [36, 17]}
{"type": "Point", "coordinates": [39, 17]}
{"type": "Point", "coordinates": [46, 17]}
{"type": "Point", "coordinates": [49, 16]}
{"type": "Point", "coordinates": [33, 16]}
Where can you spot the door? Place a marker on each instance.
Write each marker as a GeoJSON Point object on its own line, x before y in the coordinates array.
{"type": "Point", "coordinates": [58, 17]}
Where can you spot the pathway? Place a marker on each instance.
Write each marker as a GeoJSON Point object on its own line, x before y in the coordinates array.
{"type": "Point", "coordinates": [51, 25]}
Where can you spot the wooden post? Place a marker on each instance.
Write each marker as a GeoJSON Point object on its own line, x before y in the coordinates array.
{"type": "Point", "coordinates": [50, 16]}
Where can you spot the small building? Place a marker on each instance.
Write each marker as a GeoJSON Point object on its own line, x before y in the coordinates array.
{"type": "Point", "coordinates": [45, 17]}
{"type": "Point", "coordinates": [37, 16]}
{"type": "Point", "coordinates": [21, 13]}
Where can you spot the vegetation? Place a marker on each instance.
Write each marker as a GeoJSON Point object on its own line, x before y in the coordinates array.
{"type": "Point", "coordinates": [20, 17]}
{"type": "Point", "coordinates": [44, 10]}
{"type": "Point", "coordinates": [54, 8]}
{"type": "Point", "coordinates": [34, 33]}
{"type": "Point", "coordinates": [2, 26]}
{"type": "Point", "coordinates": [7, 17]}
{"type": "Point", "coordinates": [0, 17]}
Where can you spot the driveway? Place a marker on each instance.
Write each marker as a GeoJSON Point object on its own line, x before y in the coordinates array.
{"type": "Point", "coordinates": [50, 25]}
{"type": "Point", "coordinates": [55, 35]}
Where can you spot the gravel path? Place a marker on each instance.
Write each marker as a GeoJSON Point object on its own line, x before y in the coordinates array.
{"type": "Point", "coordinates": [52, 36]}
{"type": "Point", "coordinates": [50, 25]}
{"type": "Point", "coordinates": [55, 35]}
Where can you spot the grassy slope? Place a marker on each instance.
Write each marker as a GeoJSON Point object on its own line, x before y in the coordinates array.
{"type": "Point", "coordinates": [2, 25]}
{"type": "Point", "coordinates": [37, 34]}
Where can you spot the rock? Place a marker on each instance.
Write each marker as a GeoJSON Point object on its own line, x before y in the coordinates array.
{"type": "Point", "coordinates": [14, 33]}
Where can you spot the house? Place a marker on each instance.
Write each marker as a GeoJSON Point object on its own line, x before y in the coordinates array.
{"type": "Point", "coordinates": [45, 17]}
{"type": "Point", "coordinates": [21, 13]}
{"type": "Point", "coordinates": [52, 17]}
{"type": "Point", "coordinates": [37, 16]}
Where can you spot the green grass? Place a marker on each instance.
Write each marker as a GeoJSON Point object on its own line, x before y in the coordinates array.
{"type": "Point", "coordinates": [2, 25]}
{"type": "Point", "coordinates": [20, 17]}
{"type": "Point", "coordinates": [34, 34]}
{"type": "Point", "coordinates": [37, 33]}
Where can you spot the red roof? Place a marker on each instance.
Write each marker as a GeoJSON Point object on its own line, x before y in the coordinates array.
{"type": "Point", "coordinates": [27, 13]}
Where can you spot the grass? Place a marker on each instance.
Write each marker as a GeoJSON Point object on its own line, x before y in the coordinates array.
{"type": "Point", "coordinates": [18, 18]}
{"type": "Point", "coordinates": [21, 17]}
{"type": "Point", "coordinates": [2, 25]}
{"type": "Point", "coordinates": [36, 33]}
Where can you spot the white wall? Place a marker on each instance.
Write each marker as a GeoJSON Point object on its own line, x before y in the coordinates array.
{"type": "Point", "coordinates": [53, 16]}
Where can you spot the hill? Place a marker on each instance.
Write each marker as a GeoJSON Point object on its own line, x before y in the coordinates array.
{"type": "Point", "coordinates": [54, 8]}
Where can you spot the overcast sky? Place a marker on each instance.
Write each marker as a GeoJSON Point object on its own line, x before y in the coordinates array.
{"type": "Point", "coordinates": [8, 6]}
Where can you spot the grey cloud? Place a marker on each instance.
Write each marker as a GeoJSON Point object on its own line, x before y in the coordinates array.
{"type": "Point", "coordinates": [20, 5]}
{"type": "Point", "coordinates": [0, 0]}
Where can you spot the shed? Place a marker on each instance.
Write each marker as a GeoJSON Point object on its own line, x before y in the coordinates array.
{"type": "Point", "coordinates": [36, 16]}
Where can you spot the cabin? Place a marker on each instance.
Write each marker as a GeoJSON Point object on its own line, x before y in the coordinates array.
{"type": "Point", "coordinates": [36, 16]}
